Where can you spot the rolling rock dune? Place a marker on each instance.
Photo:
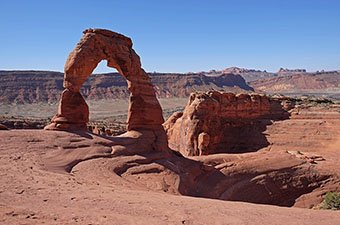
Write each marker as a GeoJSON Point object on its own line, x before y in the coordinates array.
{"type": "Point", "coordinates": [67, 175]}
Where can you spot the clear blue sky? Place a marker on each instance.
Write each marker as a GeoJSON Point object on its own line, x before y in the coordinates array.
{"type": "Point", "coordinates": [177, 35]}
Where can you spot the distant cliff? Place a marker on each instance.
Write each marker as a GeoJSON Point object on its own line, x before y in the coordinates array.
{"type": "Point", "coordinates": [290, 81]}
{"type": "Point", "coordinates": [327, 82]}
{"type": "Point", "coordinates": [247, 74]}
{"type": "Point", "coordinates": [46, 86]}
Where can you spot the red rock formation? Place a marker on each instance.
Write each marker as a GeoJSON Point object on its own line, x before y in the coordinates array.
{"type": "Point", "coordinates": [221, 122]}
{"type": "Point", "coordinates": [97, 45]}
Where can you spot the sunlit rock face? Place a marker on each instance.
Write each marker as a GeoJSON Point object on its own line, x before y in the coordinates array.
{"type": "Point", "coordinates": [216, 122]}
{"type": "Point", "coordinates": [96, 45]}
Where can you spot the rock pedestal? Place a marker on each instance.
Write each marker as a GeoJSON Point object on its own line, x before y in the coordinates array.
{"type": "Point", "coordinates": [73, 113]}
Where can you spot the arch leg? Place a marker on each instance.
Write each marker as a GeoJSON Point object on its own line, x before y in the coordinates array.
{"type": "Point", "coordinates": [73, 113]}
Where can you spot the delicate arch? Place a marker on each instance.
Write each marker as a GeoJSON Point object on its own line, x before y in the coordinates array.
{"type": "Point", "coordinates": [98, 44]}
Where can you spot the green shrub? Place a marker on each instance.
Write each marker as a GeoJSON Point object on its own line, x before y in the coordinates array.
{"type": "Point", "coordinates": [331, 201]}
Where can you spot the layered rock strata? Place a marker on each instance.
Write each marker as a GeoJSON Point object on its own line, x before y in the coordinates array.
{"type": "Point", "coordinates": [215, 122]}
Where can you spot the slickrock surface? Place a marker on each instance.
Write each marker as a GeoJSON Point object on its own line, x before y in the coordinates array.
{"type": "Point", "coordinates": [79, 177]}
{"type": "Point", "coordinates": [66, 178]}
{"type": "Point", "coordinates": [97, 45]}
{"type": "Point", "coordinates": [216, 122]}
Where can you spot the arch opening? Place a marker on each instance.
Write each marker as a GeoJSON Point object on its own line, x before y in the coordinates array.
{"type": "Point", "coordinates": [103, 68]}
{"type": "Point", "coordinates": [107, 96]}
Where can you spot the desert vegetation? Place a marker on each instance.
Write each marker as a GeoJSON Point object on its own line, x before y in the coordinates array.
{"type": "Point", "coordinates": [331, 201]}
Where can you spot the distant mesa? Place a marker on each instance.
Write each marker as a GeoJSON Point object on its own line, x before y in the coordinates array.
{"type": "Point", "coordinates": [237, 70]}
{"type": "Point", "coordinates": [45, 86]}
{"type": "Point", "coordinates": [247, 74]}
{"type": "Point", "coordinates": [290, 71]}
{"type": "Point", "coordinates": [20, 87]}
{"type": "Point", "coordinates": [297, 83]}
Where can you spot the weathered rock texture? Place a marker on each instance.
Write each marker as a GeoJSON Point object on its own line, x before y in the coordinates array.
{"type": "Point", "coordinates": [215, 122]}
{"type": "Point", "coordinates": [97, 45]}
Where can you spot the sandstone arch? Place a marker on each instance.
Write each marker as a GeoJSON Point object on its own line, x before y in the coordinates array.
{"type": "Point", "coordinates": [96, 45]}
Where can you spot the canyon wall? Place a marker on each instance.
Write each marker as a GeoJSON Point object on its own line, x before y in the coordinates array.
{"type": "Point", "coordinates": [45, 86]}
